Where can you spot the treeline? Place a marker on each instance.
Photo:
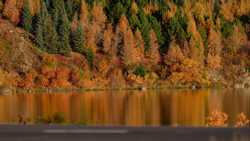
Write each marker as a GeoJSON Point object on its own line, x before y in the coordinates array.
{"type": "Point", "coordinates": [175, 39]}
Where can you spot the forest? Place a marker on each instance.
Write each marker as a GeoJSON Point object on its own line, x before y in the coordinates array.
{"type": "Point", "coordinates": [125, 43]}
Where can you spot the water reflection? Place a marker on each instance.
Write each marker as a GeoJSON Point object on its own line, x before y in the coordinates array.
{"type": "Point", "coordinates": [136, 108]}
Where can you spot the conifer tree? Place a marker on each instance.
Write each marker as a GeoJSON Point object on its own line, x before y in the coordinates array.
{"type": "Point", "coordinates": [50, 36]}
{"type": "Point", "coordinates": [45, 32]}
{"type": "Point", "coordinates": [77, 39]}
{"type": "Point", "coordinates": [63, 29]}
{"type": "Point", "coordinates": [39, 29]}
{"type": "Point", "coordinates": [26, 17]}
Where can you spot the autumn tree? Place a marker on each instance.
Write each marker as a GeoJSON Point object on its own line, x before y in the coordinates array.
{"type": "Point", "coordinates": [84, 15]}
{"type": "Point", "coordinates": [127, 45]}
{"type": "Point", "coordinates": [94, 32]}
{"type": "Point", "coordinates": [108, 39]}
{"type": "Point", "coordinates": [153, 53]}
{"type": "Point", "coordinates": [26, 17]}
{"type": "Point", "coordinates": [174, 56]}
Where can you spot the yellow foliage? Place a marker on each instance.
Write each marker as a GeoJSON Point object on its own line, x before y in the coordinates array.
{"type": "Point", "coordinates": [134, 8]}
{"type": "Point", "coordinates": [150, 8]}
{"type": "Point", "coordinates": [174, 54]}
{"type": "Point", "coordinates": [170, 13]}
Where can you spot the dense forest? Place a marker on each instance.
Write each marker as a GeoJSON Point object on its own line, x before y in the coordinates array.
{"type": "Point", "coordinates": [125, 43]}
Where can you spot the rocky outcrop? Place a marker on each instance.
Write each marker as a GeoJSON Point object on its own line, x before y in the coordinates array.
{"type": "Point", "coordinates": [19, 53]}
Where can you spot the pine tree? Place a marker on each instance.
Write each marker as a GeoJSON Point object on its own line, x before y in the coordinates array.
{"type": "Point", "coordinates": [50, 36]}
{"type": "Point", "coordinates": [26, 17]}
{"type": "Point", "coordinates": [63, 29]}
{"type": "Point", "coordinates": [77, 39]}
{"type": "Point", "coordinates": [45, 32]}
{"type": "Point", "coordinates": [39, 29]}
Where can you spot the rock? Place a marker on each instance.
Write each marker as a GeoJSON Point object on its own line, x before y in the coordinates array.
{"type": "Point", "coordinates": [5, 90]}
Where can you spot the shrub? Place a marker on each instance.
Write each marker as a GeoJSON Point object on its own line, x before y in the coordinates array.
{"type": "Point", "coordinates": [59, 118]}
{"type": "Point", "coordinates": [227, 28]}
{"type": "Point", "coordinates": [89, 56]}
{"type": "Point", "coordinates": [140, 71]}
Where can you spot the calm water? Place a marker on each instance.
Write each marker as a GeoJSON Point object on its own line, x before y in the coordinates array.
{"type": "Point", "coordinates": [133, 108]}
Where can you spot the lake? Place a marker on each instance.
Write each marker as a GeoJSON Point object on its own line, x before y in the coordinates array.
{"type": "Point", "coordinates": [119, 108]}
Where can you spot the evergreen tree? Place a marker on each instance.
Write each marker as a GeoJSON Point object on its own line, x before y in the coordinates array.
{"type": "Point", "coordinates": [77, 39]}
{"type": "Point", "coordinates": [39, 26]}
{"type": "Point", "coordinates": [26, 17]}
{"type": "Point", "coordinates": [50, 36]}
{"type": "Point", "coordinates": [63, 29]}
{"type": "Point", "coordinates": [45, 32]}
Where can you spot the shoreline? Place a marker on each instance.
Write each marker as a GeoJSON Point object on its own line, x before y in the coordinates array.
{"type": "Point", "coordinates": [11, 90]}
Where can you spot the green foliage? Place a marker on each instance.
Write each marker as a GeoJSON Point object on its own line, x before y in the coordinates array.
{"type": "Point", "coordinates": [72, 7]}
{"type": "Point", "coordinates": [216, 10]}
{"type": "Point", "coordinates": [116, 11]}
{"type": "Point", "coordinates": [89, 56]}
{"type": "Point", "coordinates": [175, 28]}
{"type": "Point", "coordinates": [226, 28]}
{"type": "Point", "coordinates": [59, 118]}
{"type": "Point", "coordinates": [63, 29]}
{"type": "Point", "coordinates": [179, 2]}
{"type": "Point", "coordinates": [1, 5]}
{"type": "Point", "coordinates": [145, 27]}
{"type": "Point", "coordinates": [39, 27]}
{"type": "Point", "coordinates": [50, 36]}
{"type": "Point", "coordinates": [140, 71]}
{"type": "Point", "coordinates": [26, 17]}
{"type": "Point", "coordinates": [155, 24]}
{"type": "Point", "coordinates": [245, 19]}
{"type": "Point", "coordinates": [204, 36]}
{"type": "Point", "coordinates": [77, 39]}
{"type": "Point", "coordinates": [45, 32]}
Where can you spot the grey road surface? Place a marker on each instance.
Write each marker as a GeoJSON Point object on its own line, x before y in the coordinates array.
{"type": "Point", "coordinates": [82, 133]}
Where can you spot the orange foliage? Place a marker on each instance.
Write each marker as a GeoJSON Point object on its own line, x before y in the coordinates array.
{"type": "Point", "coordinates": [12, 10]}
{"type": "Point", "coordinates": [217, 119]}
{"type": "Point", "coordinates": [28, 80]}
{"type": "Point", "coordinates": [214, 50]}
{"type": "Point", "coordinates": [116, 78]}
{"type": "Point", "coordinates": [151, 8]}
{"type": "Point", "coordinates": [134, 79]}
{"type": "Point", "coordinates": [153, 55]}
{"type": "Point", "coordinates": [108, 39]}
{"type": "Point", "coordinates": [42, 81]}
{"type": "Point", "coordinates": [174, 55]}
{"type": "Point", "coordinates": [188, 72]}
{"type": "Point", "coordinates": [84, 15]}
{"type": "Point", "coordinates": [129, 53]}
{"type": "Point", "coordinates": [103, 65]}
{"type": "Point", "coordinates": [74, 23]}
{"type": "Point", "coordinates": [242, 120]}
{"type": "Point", "coordinates": [96, 27]}
{"type": "Point", "coordinates": [48, 72]}
{"type": "Point", "coordinates": [139, 45]}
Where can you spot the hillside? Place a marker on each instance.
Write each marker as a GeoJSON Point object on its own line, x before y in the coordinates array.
{"type": "Point", "coordinates": [124, 43]}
